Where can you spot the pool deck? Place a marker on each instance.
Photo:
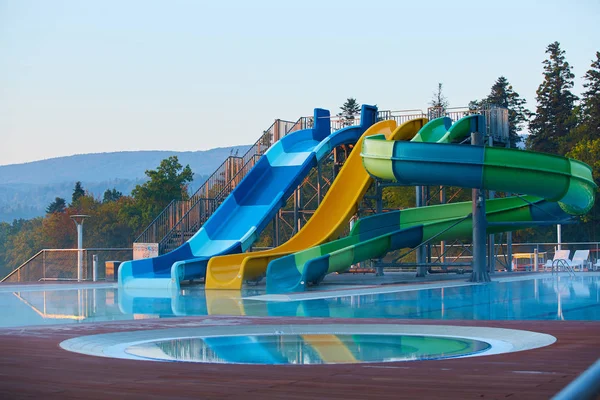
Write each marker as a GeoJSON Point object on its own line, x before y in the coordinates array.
{"type": "Point", "coordinates": [32, 365]}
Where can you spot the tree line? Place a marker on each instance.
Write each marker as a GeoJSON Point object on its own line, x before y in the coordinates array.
{"type": "Point", "coordinates": [115, 220]}
{"type": "Point", "coordinates": [561, 124]}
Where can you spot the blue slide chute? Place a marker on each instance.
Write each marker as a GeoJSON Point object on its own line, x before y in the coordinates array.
{"type": "Point", "coordinates": [238, 221]}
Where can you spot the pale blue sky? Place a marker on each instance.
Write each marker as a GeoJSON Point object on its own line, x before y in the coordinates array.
{"type": "Point", "coordinates": [81, 76]}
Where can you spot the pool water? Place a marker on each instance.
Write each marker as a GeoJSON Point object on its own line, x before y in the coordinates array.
{"type": "Point", "coordinates": [307, 349]}
{"type": "Point", "coordinates": [542, 297]}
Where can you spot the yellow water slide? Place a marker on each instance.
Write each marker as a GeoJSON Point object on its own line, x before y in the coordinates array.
{"type": "Point", "coordinates": [332, 216]}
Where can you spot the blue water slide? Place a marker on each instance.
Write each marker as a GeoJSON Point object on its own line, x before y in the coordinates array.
{"type": "Point", "coordinates": [238, 221]}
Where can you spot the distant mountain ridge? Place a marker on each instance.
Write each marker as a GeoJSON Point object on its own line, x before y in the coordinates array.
{"type": "Point", "coordinates": [27, 189]}
{"type": "Point", "coordinates": [97, 167]}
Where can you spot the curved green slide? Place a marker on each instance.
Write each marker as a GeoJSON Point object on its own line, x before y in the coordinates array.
{"type": "Point", "coordinates": [557, 188]}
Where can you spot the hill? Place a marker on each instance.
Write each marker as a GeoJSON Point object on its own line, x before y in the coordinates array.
{"type": "Point", "coordinates": [27, 189]}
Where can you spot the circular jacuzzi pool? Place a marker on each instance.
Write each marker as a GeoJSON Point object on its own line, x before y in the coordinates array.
{"type": "Point", "coordinates": [307, 348]}
{"type": "Point", "coordinates": [303, 344]}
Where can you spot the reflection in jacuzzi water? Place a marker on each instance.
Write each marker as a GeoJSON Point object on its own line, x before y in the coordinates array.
{"type": "Point", "coordinates": [307, 349]}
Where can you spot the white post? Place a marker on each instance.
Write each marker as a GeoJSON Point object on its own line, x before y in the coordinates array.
{"type": "Point", "coordinates": [535, 259]}
{"type": "Point", "coordinates": [95, 268]}
{"type": "Point", "coordinates": [79, 251]}
{"type": "Point", "coordinates": [78, 219]}
{"type": "Point", "coordinates": [559, 236]}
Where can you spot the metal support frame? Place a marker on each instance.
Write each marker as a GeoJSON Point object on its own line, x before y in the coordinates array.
{"type": "Point", "coordinates": [508, 236]}
{"type": "Point", "coordinates": [443, 242]}
{"type": "Point", "coordinates": [480, 273]}
{"type": "Point", "coordinates": [289, 222]}
{"type": "Point", "coordinates": [378, 210]}
{"type": "Point", "coordinates": [421, 253]}
{"type": "Point", "coordinates": [491, 237]}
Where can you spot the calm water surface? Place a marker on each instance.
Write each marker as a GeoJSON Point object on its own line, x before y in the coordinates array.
{"type": "Point", "coordinates": [543, 298]}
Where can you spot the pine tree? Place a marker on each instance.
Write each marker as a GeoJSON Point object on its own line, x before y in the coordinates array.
{"type": "Point", "coordinates": [590, 103]}
{"type": "Point", "coordinates": [57, 206]}
{"type": "Point", "coordinates": [438, 104]}
{"type": "Point", "coordinates": [78, 193]}
{"type": "Point", "coordinates": [554, 116]}
{"type": "Point", "coordinates": [503, 95]}
{"type": "Point", "coordinates": [111, 195]}
{"type": "Point", "coordinates": [349, 109]}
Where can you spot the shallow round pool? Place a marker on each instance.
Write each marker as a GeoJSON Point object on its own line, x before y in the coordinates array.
{"type": "Point", "coordinates": [307, 348]}
{"type": "Point", "coordinates": [304, 344]}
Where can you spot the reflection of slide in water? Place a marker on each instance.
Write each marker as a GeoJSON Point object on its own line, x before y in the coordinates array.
{"type": "Point", "coordinates": [566, 185]}
{"type": "Point", "coordinates": [307, 348]}
{"type": "Point", "coordinates": [330, 349]}
{"type": "Point", "coordinates": [332, 216]}
{"type": "Point", "coordinates": [238, 221]}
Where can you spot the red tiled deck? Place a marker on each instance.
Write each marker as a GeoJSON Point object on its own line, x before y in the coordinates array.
{"type": "Point", "coordinates": [33, 366]}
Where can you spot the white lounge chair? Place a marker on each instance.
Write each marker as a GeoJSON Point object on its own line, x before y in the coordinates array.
{"type": "Point", "coordinates": [596, 266]}
{"type": "Point", "coordinates": [579, 259]}
{"type": "Point", "coordinates": [560, 257]}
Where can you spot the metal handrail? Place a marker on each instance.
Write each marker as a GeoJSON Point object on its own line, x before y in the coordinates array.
{"type": "Point", "coordinates": [14, 271]}
{"type": "Point", "coordinates": [264, 142]}
{"type": "Point", "coordinates": [165, 243]}
{"type": "Point", "coordinates": [585, 387]}
{"type": "Point", "coordinates": [24, 264]}
{"type": "Point", "coordinates": [557, 264]}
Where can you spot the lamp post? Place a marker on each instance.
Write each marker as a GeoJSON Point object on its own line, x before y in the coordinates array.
{"type": "Point", "coordinates": [78, 219]}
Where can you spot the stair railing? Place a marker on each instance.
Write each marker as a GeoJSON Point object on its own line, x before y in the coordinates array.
{"type": "Point", "coordinates": [216, 183]}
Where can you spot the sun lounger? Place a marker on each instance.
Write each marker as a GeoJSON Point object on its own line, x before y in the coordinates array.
{"type": "Point", "coordinates": [579, 259]}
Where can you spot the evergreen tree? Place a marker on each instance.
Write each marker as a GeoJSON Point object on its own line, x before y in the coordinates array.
{"type": "Point", "coordinates": [349, 109]}
{"type": "Point", "coordinates": [554, 116]}
{"type": "Point", "coordinates": [111, 195]}
{"type": "Point", "coordinates": [78, 193]}
{"type": "Point", "coordinates": [438, 104]}
{"type": "Point", "coordinates": [59, 205]}
{"type": "Point", "coordinates": [590, 103]}
{"type": "Point", "coordinates": [588, 151]}
{"type": "Point", "coordinates": [503, 95]}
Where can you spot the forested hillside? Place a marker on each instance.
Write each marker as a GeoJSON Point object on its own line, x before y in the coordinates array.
{"type": "Point", "coordinates": [26, 189]}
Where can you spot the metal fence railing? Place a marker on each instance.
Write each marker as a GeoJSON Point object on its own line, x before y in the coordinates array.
{"type": "Point", "coordinates": [61, 264]}
{"type": "Point", "coordinates": [522, 256]}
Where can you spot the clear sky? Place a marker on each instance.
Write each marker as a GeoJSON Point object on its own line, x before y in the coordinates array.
{"type": "Point", "coordinates": [98, 76]}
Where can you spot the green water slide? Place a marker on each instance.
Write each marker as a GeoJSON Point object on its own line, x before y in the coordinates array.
{"type": "Point", "coordinates": [556, 189]}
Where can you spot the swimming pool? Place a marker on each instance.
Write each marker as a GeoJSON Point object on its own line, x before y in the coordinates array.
{"type": "Point", "coordinates": [534, 297]}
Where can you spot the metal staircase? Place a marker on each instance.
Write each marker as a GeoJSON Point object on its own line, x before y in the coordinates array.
{"type": "Point", "coordinates": [181, 219]}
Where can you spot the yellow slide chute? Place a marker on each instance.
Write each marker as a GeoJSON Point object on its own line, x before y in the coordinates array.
{"type": "Point", "coordinates": [332, 216]}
